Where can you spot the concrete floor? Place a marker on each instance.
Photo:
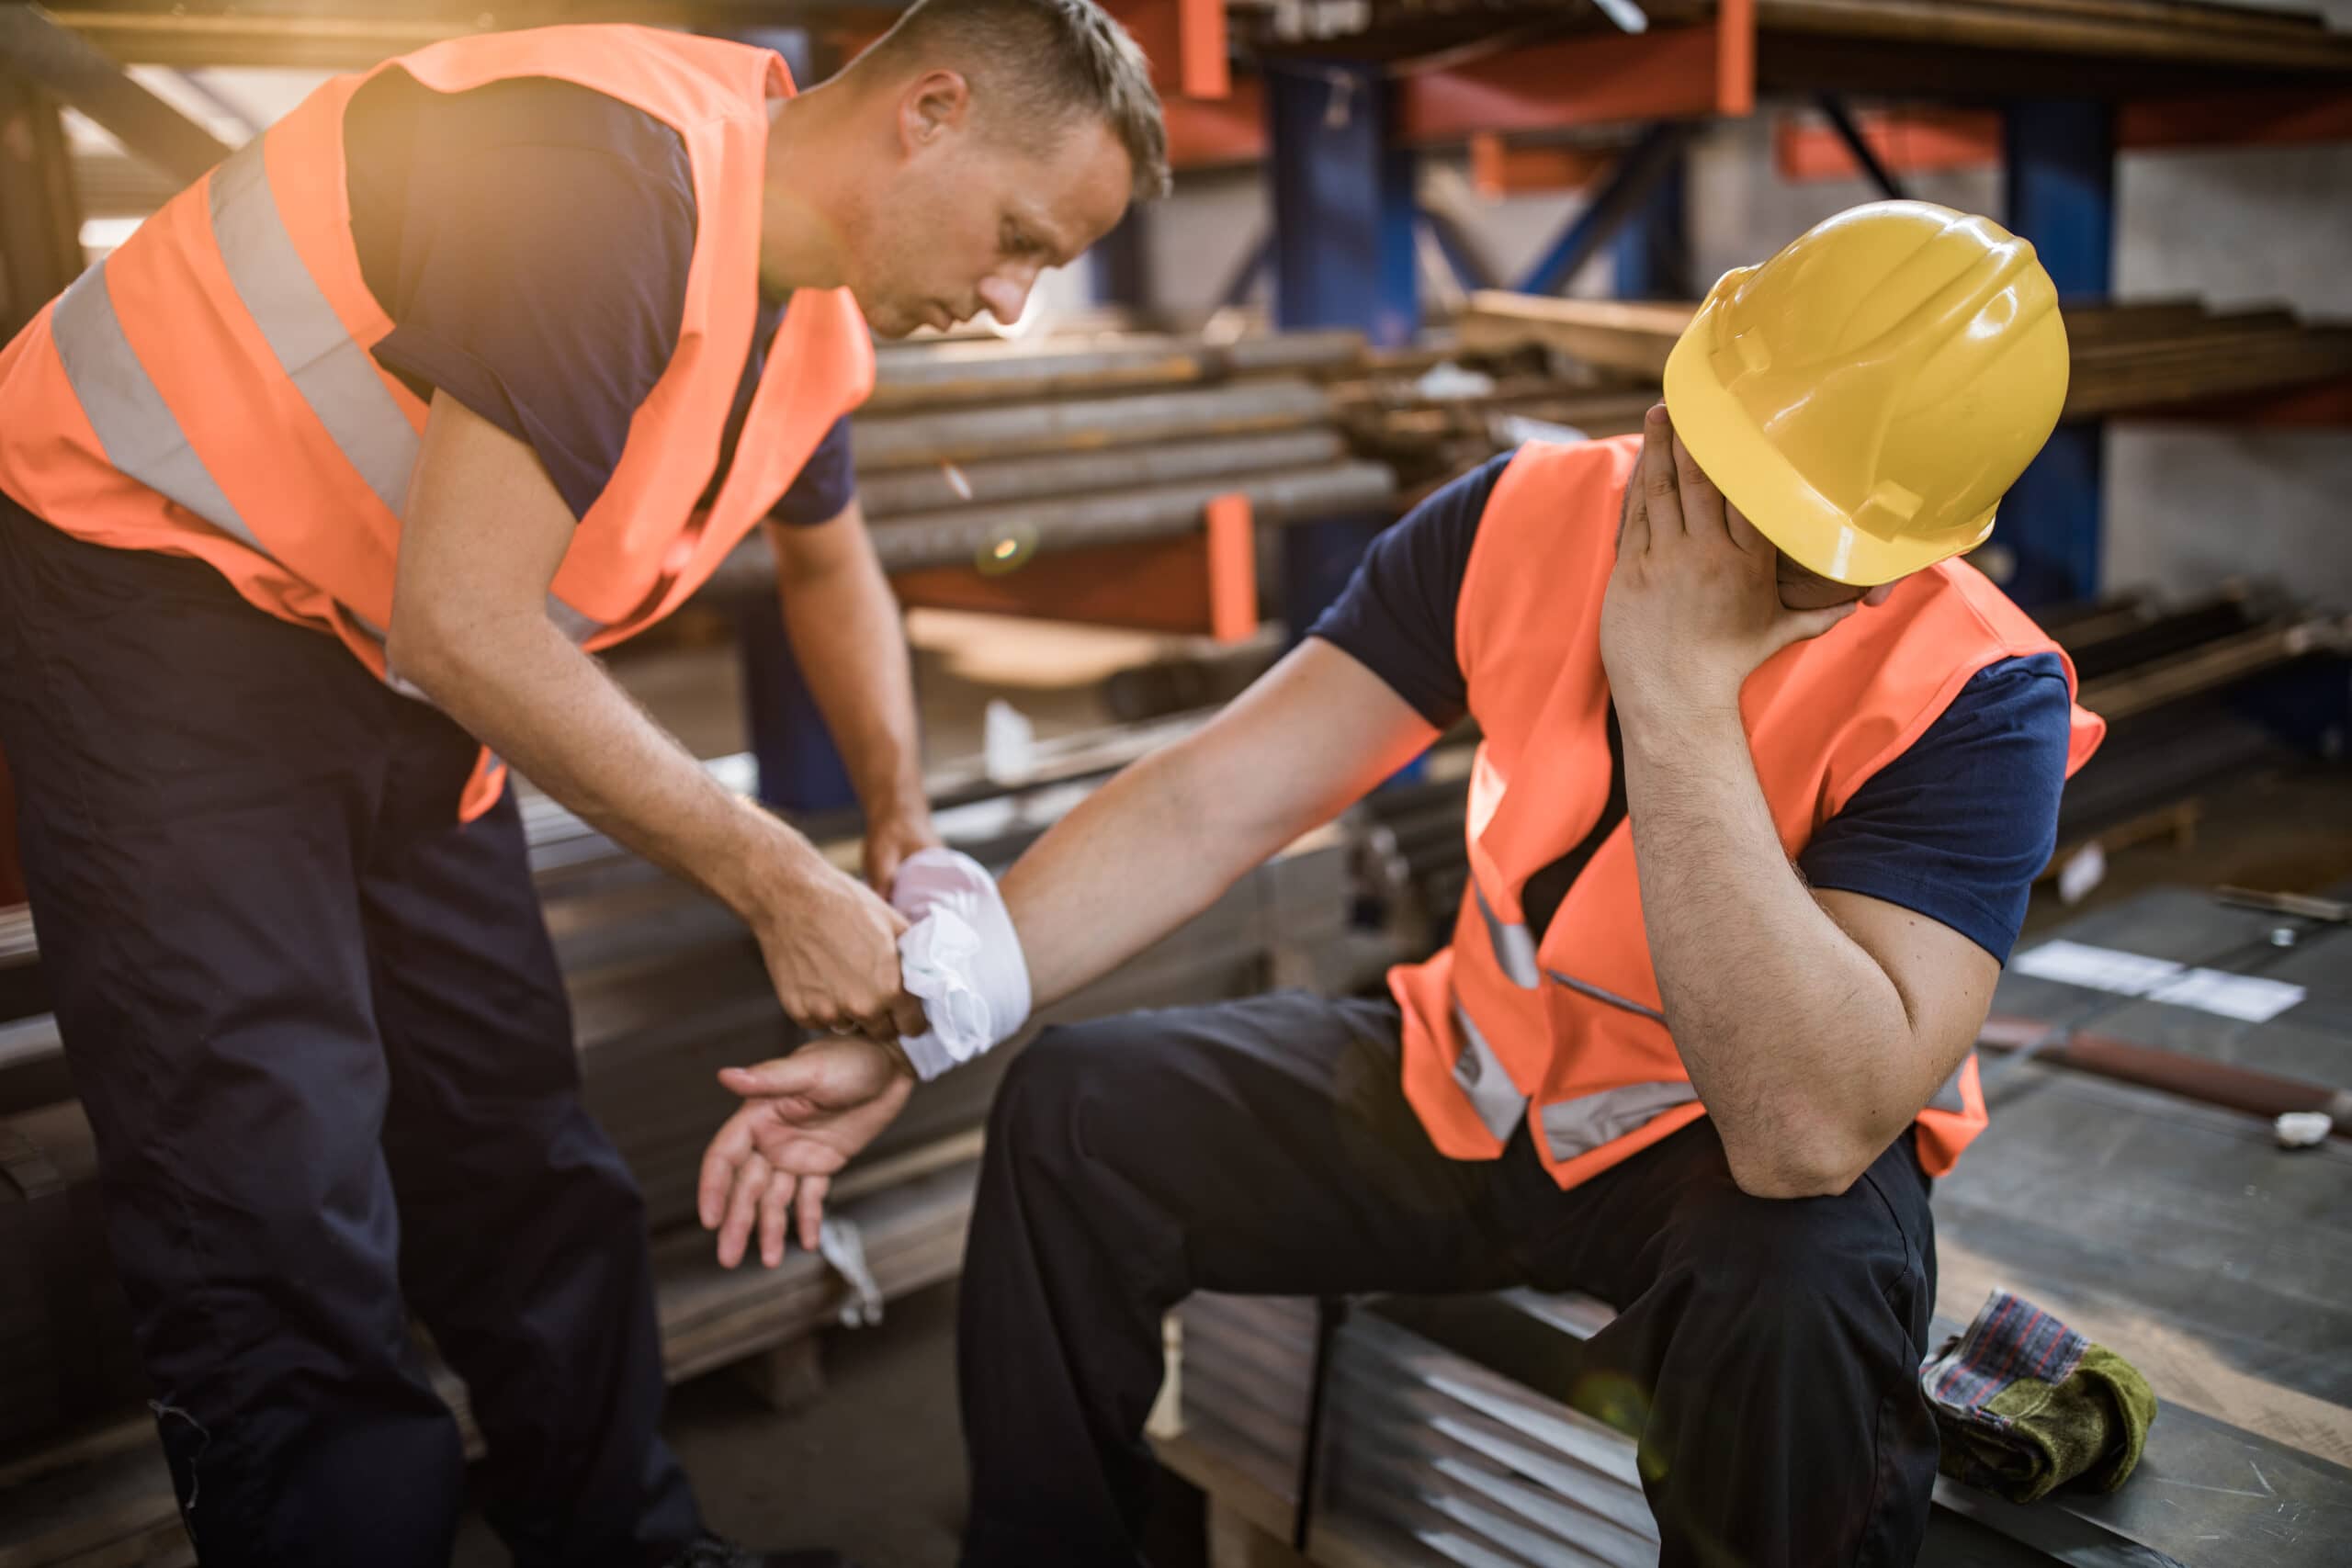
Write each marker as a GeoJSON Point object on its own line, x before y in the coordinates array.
{"type": "Point", "coordinates": [873, 1468]}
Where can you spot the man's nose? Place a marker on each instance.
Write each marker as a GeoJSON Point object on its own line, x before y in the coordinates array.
{"type": "Point", "coordinates": [1006, 294]}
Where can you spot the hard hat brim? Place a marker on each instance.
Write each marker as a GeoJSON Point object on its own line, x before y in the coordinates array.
{"type": "Point", "coordinates": [1807, 526]}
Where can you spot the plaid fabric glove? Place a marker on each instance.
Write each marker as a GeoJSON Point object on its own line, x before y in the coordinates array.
{"type": "Point", "coordinates": [2025, 1405]}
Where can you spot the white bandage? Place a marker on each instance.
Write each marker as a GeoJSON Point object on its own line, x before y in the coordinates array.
{"type": "Point", "coordinates": [961, 958]}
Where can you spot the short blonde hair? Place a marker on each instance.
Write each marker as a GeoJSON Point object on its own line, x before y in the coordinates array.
{"type": "Point", "coordinates": [1046, 62]}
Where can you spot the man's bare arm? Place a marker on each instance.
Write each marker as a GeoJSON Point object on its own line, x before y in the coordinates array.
{"type": "Point", "coordinates": [843, 623]}
{"type": "Point", "coordinates": [484, 534]}
{"type": "Point", "coordinates": [1814, 1024]}
{"type": "Point", "coordinates": [1814, 1027]}
{"type": "Point", "coordinates": [1161, 841]}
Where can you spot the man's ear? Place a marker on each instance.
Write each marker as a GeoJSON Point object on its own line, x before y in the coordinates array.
{"type": "Point", "coordinates": [933, 105]}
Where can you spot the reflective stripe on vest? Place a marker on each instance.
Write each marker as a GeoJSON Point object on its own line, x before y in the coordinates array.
{"type": "Point", "coordinates": [1607, 998]}
{"type": "Point", "coordinates": [1574, 1127]}
{"type": "Point", "coordinates": [1949, 1096]}
{"type": "Point", "coordinates": [333, 374]}
{"type": "Point", "coordinates": [1514, 946]}
{"type": "Point", "coordinates": [1571, 1127]}
{"type": "Point", "coordinates": [140, 435]}
{"type": "Point", "coordinates": [1579, 1126]}
{"type": "Point", "coordinates": [132, 424]}
{"type": "Point", "coordinates": [1479, 1074]}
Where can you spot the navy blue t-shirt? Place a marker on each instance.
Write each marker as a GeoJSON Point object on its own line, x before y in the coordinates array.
{"type": "Point", "coordinates": [1957, 828]}
{"type": "Point", "coordinates": [530, 240]}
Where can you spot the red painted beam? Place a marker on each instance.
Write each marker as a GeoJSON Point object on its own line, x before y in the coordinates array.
{"type": "Point", "coordinates": [2237, 119]}
{"type": "Point", "coordinates": [1917, 141]}
{"type": "Point", "coordinates": [1210, 133]}
{"type": "Point", "coordinates": [1603, 79]}
{"type": "Point", "coordinates": [2321, 405]}
{"type": "Point", "coordinates": [1201, 584]}
{"type": "Point", "coordinates": [1908, 141]}
{"type": "Point", "coordinates": [1185, 41]}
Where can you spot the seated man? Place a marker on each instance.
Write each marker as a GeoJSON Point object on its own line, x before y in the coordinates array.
{"type": "Point", "coordinates": [1764, 779]}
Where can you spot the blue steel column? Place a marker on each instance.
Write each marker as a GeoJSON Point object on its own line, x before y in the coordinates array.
{"type": "Point", "coordinates": [800, 767]}
{"type": "Point", "coordinates": [2061, 160]}
{"type": "Point", "coordinates": [1344, 256]}
{"type": "Point", "coordinates": [1651, 255]}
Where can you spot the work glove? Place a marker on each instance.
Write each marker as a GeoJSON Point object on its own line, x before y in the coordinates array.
{"type": "Point", "coordinates": [960, 958]}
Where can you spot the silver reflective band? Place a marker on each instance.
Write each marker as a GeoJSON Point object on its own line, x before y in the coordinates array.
{"type": "Point", "coordinates": [1479, 1074]}
{"type": "Point", "coordinates": [1579, 1126]}
{"type": "Point", "coordinates": [1626, 1004]}
{"type": "Point", "coordinates": [576, 625]}
{"type": "Point", "coordinates": [1514, 945]}
{"type": "Point", "coordinates": [338, 381]}
{"type": "Point", "coordinates": [1948, 1098]}
{"type": "Point", "coordinates": [327, 366]}
{"type": "Point", "coordinates": [132, 424]}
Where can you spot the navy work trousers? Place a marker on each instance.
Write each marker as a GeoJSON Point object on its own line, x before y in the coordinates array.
{"type": "Point", "coordinates": [328, 1058]}
{"type": "Point", "coordinates": [1767, 1351]}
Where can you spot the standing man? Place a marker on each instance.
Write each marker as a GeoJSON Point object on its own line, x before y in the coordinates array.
{"type": "Point", "coordinates": [1764, 779]}
{"type": "Point", "coordinates": [318, 494]}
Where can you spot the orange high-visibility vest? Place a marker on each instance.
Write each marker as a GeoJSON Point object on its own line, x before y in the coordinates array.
{"type": "Point", "coordinates": [1500, 1027]}
{"type": "Point", "coordinates": [208, 390]}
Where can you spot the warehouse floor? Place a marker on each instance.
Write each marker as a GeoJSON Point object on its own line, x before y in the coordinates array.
{"type": "Point", "coordinates": [875, 1467]}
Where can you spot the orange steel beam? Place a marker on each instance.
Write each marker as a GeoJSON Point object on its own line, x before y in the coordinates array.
{"type": "Point", "coordinates": [1599, 79]}
{"type": "Point", "coordinates": [1210, 133]}
{"type": "Point", "coordinates": [1499, 168]}
{"type": "Point", "coordinates": [1184, 41]}
{"type": "Point", "coordinates": [1231, 562]}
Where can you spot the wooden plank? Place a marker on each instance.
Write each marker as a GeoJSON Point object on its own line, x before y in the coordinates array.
{"type": "Point", "coordinates": [1613, 334]}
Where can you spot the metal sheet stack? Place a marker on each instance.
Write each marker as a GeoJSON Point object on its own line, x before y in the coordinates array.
{"type": "Point", "coordinates": [2196, 696]}
{"type": "Point", "coordinates": [64, 1329]}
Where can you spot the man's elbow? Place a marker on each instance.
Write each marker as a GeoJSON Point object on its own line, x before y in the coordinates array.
{"type": "Point", "coordinates": [425, 651]}
{"type": "Point", "coordinates": [1798, 1160]}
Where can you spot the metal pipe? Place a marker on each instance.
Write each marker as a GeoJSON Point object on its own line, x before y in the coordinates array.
{"type": "Point", "coordinates": [2215, 664]}
{"type": "Point", "coordinates": [2225, 1084]}
{"type": "Point", "coordinates": [895, 492]}
{"type": "Point", "coordinates": [911, 377]}
{"type": "Point", "coordinates": [1087, 426]}
{"type": "Point", "coordinates": [963, 536]}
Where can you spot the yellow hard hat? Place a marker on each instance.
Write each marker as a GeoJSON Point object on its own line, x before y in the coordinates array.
{"type": "Point", "coordinates": [1866, 395]}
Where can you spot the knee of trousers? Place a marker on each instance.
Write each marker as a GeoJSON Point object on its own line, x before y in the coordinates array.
{"type": "Point", "coordinates": [1787, 1272]}
{"type": "Point", "coordinates": [1092, 1090]}
{"type": "Point", "coordinates": [571, 1186]}
{"type": "Point", "coordinates": [230, 1297]}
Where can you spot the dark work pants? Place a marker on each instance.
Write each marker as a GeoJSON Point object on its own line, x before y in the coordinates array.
{"type": "Point", "coordinates": [328, 1058]}
{"type": "Point", "coordinates": [1770, 1348]}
